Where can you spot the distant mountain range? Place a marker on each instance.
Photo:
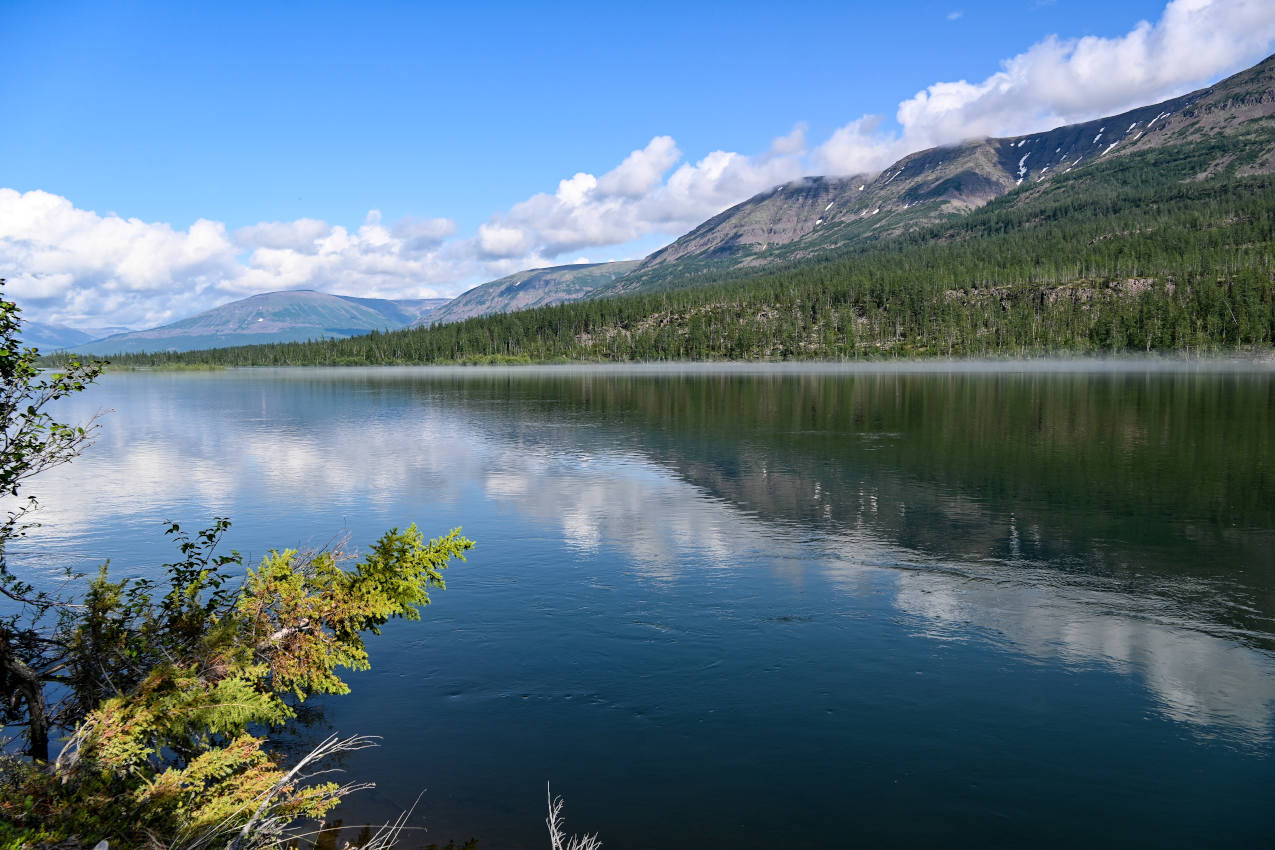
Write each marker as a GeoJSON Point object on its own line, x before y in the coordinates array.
{"type": "Point", "coordinates": [300, 315]}
{"type": "Point", "coordinates": [272, 317]}
{"type": "Point", "coordinates": [50, 337]}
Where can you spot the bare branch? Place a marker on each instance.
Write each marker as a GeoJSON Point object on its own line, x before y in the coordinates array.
{"type": "Point", "coordinates": [331, 746]}
{"type": "Point", "coordinates": [557, 835]}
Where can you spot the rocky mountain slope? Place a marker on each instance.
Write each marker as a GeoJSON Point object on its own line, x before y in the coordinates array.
{"type": "Point", "coordinates": [820, 216]}
{"type": "Point", "coordinates": [531, 288]}
{"type": "Point", "coordinates": [271, 317]}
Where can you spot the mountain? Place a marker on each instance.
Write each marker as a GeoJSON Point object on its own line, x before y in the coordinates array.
{"type": "Point", "coordinates": [50, 337]}
{"type": "Point", "coordinates": [821, 216]}
{"type": "Point", "coordinates": [531, 288]}
{"type": "Point", "coordinates": [300, 315]}
{"type": "Point", "coordinates": [271, 317]}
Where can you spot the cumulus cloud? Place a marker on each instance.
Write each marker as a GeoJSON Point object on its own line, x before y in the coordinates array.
{"type": "Point", "coordinates": [859, 146]}
{"type": "Point", "coordinates": [497, 241]}
{"type": "Point", "coordinates": [644, 194]}
{"type": "Point", "coordinates": [402, 259]}
{"type": "Point", "coordinates": [793, 144]}
{"type": "Point", "coordinates": [301, 235]}
{"type": "Point", "coordinates": [641, 170]}
{"type": "Point", "coordinates": [1059, 81]}
{"type": "Point", "coordinates": [419, 234]}
{"type": "Point", "coordinates": [70, 265]}
{"type": "Point", "coordinates": [75, 266]}
{"type": "Point", "coordinates": [102, 267]}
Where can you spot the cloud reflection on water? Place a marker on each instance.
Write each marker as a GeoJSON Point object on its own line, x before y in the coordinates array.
{"type": "Point", "coordinates": [666, 525]}
{"type": "Point", "coordinates": [603, 493]}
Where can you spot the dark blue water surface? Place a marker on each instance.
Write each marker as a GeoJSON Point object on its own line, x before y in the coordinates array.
{"type": "Point", "coordinates": [755, 608]}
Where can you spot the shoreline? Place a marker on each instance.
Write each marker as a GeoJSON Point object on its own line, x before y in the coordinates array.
{"type": "Point", "coordinates": [1043, 364]}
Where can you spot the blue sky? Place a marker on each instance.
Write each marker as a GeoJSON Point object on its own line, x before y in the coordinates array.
{"type": "Point", "coordinates": [457, 124]}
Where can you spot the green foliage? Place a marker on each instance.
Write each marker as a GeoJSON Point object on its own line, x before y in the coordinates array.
{"type": "Point", "coordinates": [16, 838]}
{"type": "Point", "coordinates": [172, 680]}
{"type": "Point", "coordinates": [33, 441]}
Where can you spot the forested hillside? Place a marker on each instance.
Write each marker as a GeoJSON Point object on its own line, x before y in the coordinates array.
{"type": "Point", "coordinates": [1159, 249]}
{"type": "Point", "coordinates": [816, 217]}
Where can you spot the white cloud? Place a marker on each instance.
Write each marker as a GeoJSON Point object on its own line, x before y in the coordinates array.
{"type": "Point", "coordinates": [103, 267]}
{"type": "Point", "coordinates": [636, 198]}
{"type": "Point", "coordinates": [70, 265]}
{"type": "Point", "coordinates": [857, 147]}
{"type": "Point", "coordinates": [419, 234]}
{"type": "Point", "coordinates": [1059, 81]}
{"type": "Point", "coordinates": [954, 15]}
{"type": "Point", "coordinates": [573, 191]}
{"type": "Point", "coordinates": [399, 260]}
{"type": "Point", "coordinates": [793, 144]}
{"type": "Point", "coordinates": [498, 241]}
{"type": "Point", "coordinates": [301, 235]}
{"type": "Point", "coordinates": [641, 170]}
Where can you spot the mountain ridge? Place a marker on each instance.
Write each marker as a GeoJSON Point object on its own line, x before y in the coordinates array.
{"type": "Point", "coordinates": [822, 215]}
{"type": "Point", "coordinates": [528, 289]}
{"type": "Point", "coordinates": [284, 316]}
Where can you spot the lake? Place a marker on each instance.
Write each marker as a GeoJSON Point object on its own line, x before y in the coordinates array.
{"type": "Point", "coordinates": [750, 607]}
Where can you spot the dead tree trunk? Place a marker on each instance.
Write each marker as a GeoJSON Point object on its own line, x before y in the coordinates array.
{"type": "Point", "coordinates": [23, 683]}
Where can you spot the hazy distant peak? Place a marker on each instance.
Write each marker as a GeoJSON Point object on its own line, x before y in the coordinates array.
{"type": "Point", "coordinates": [285, 316]}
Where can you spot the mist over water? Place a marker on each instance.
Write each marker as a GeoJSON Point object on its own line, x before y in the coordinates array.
{"type": "Point", "coordinates": [983, 605]}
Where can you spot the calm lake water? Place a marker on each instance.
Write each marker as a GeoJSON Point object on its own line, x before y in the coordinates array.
{"type": "Point", "coordinates": [755, 608]}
